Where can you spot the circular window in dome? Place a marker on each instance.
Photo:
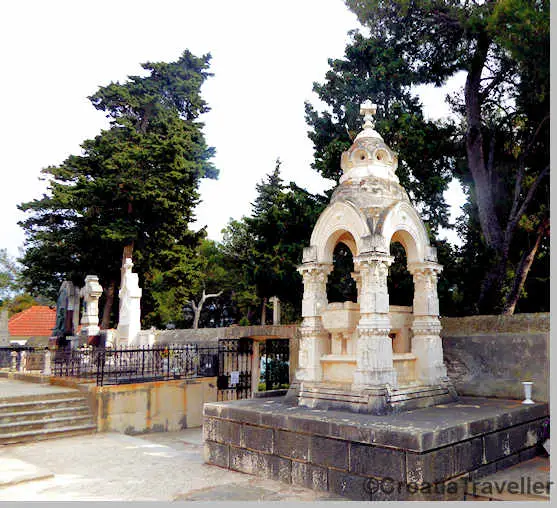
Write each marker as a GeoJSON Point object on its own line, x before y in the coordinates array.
{"type": "Point", "coordinates": [360, 155]}
{"type": "Point", "coordinates": [382, 155]}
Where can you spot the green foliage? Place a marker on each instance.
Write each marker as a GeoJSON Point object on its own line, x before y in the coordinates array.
{"type": "Point", "coordinates": [265, 249]}
{"type": "Point", "coordinates": [135, 184]}
{"type": "Point", "coordinates": [376, 67]}
{"type": "Point", "coordinates": [9, 275]}
{"type": "Point", "coordinates": [503, 47]}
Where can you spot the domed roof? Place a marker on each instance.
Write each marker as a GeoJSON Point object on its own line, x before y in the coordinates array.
{"type": "Point", "coordinates": [369, 155]}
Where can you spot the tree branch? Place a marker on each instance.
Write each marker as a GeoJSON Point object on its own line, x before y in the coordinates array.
{"type": "Point", "coordinates": [531, 191]}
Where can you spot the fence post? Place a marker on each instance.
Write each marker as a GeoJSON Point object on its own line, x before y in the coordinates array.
{"type": "Point", "coordinates": [47, 369]}
{"type": "Point", "coordinates": [23, 361]}
{"type": "Point", "coordinates": [14, 361]}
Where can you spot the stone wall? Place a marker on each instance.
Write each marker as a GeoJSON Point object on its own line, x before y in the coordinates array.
{"type": "Point", "coordinates": [161, 406]}
{"type": "Point", "coordinates": [491, 355]}
{"type": "Point", "coordinates": [210, 335]}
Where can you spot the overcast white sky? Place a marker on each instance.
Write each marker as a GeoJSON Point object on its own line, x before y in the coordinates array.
{"type": "Point", "coordinates": [266, 55]}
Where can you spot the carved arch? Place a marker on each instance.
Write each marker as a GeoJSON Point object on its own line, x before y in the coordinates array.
{"type": "Point", "coordinates": [340, 222]}
{"type": "Point", "coordinates": [402, 223]}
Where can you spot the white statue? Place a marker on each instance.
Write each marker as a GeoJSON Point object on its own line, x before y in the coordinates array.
{"type": "Point", "coordinates": [129, 320]}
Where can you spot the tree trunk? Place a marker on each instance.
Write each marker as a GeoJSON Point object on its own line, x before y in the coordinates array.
{"type": "Point", "coordinates": [264, 311]}
{"type": "Point", "coordinates": [197, 307]}
{"type": "Point", "coordinates": [109, 301]}
{"type": "Point", "coordinates": [491, 228]}
{"type": "Point", "coordinates": [522, 271]}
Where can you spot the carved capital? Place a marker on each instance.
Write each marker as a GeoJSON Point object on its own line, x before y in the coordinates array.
{"type": "Point", "coordinates": [315, 273]}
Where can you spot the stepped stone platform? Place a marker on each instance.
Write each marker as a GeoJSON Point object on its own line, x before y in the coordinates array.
{"type": "Point", "coordinates": [422, 454]}
{"type": "Point", "coordinates": [33, 412]}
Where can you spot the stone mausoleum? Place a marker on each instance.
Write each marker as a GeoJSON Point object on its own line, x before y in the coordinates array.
{"type": "Point", "coordinates": [359, 355]}
{"type": "Point", "coordinates": [371, 414]}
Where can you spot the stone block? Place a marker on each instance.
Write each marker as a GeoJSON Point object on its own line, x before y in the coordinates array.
{"type": "Point", "coordinates": [241, 414]}
{"type": "Point", "coordinates": [377, 461]}
{"type": "Point", "coordinates": [216, 454]}
{"type": "Point", "coordinates": [307, 425]}
{"type": "Point", "coordinates": [528, 453]}
{"type": "Point", "coordinates": [431, 467]}
{"type": "Point", "coordinates": [352, 486]}
{"type": "Point", "coordinates": [482, 471]}
{"type": "Point", "coordinates": [328, 452]}
{"type": "Point", "coordinates": [309, 476]}
{"type": "Point", "coordinates": [507, 442]}
{"type": "Point", "coordinates": [260, 464]}
{"type": "Point", "coordinates": [257, 438]}
{"type": "Point", "coordinates": [221, 431]}
{"type": "Point", "coordinates": [291, 445]}
{"type": "Point", "coordinates": [506, 462]}
{"type": "Point", "coordinates": [468, 456]}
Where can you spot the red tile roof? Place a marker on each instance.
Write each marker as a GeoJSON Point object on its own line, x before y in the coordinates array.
{"type": "Point", "coordinates": [36, 321]}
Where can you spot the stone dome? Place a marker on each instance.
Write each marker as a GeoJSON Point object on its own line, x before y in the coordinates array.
{"type": "Point", "coordinates": [369, 155]}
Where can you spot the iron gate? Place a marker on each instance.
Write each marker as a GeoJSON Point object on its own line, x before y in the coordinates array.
{"type": "Point", "coordinates": [275, 364]}
{"type": "Point", "coordinates": [235, 359]}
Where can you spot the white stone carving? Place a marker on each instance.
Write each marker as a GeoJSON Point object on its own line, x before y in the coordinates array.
{"type": "Point", "coordinates": [129, 320]}
{"type": "Point", "coordinates": [90, 293]}
{"type": "Point", "coordinates": [369, 210]}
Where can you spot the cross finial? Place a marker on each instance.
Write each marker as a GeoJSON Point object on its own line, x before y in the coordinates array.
{"type": "Point", "coordinates": [367, 109]}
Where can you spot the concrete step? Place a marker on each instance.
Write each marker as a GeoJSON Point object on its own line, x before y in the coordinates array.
{"type": "Point", "coordinates": [39, 435]}
{"type": "Point", "coordinates": [38, 403]}
{"type": "Point", "coordinates": [66, 394]}
{"type": "Point", "coordinates": [44, 424]}
{"type": "Point", "coordinates": [39, 414]}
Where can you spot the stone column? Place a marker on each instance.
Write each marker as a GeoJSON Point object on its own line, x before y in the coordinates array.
{"type": "Point", "coordinates": [314, 342]}
{"type": "Point", "coordinates": [426, 342]}
{"type": "Point", "coordinates": [374, 350]}
{"type": "Point", "coordinates": [276, 310]}
{"type": "Point", "coordinates": [91, 293]}
{"type": "Point", "coordinates": [47, 371]}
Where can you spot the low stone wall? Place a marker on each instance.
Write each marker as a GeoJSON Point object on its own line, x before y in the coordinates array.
{"type": "Point", "coordinates": [161, 406]}
{"type": "Point", "coordinates": [209, 335]}
{"type": "Point", "coordinates": [490, 355]}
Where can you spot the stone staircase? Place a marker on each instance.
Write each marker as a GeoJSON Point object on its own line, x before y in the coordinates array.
{"type": "Point", "coordinates": [46, 416]}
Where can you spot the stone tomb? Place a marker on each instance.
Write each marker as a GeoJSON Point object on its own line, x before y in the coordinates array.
{"type": "Point", "coordinates": [371, 401]}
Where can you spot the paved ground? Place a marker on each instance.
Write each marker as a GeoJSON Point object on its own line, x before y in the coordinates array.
{"type": "Point", "coordinates": [116, 467]}
{"type": "Point", "coordinates": [13, 388]}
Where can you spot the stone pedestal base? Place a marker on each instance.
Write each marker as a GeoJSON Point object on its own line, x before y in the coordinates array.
{"type": "Point", "coordinates": [377, 400]}
{"type": "Point", "coordinates": [429, 454]}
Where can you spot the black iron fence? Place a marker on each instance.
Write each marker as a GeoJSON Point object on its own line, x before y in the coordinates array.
{"type": "Point", "coordinates": [137, 365]}
{"type": "Point", "coordinates": [16, 355]}
{"type": "Point", "coordinates": [112, 366]}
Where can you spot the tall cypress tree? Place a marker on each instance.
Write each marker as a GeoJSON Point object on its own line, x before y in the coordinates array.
{"type": "Point", "coordinates": [132, 189]}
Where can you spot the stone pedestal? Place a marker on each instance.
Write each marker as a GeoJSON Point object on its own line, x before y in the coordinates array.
{"type": "Point", "coordinates": [428, 454]}
{"type": "Point", "coordinates": [90, 293]}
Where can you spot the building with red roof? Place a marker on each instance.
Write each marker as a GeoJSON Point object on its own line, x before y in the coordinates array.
{"type": "Point", "coordinates": [35, 323]}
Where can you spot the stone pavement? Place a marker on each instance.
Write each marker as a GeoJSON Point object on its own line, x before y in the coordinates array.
{"type": "Point", "coordinates": [117, 467]}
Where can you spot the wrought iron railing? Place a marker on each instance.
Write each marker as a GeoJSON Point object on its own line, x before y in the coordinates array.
{"type": "Point", "coordinates": [33, 357]}
{"type": "Point", "coordinates": [112, 366]}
